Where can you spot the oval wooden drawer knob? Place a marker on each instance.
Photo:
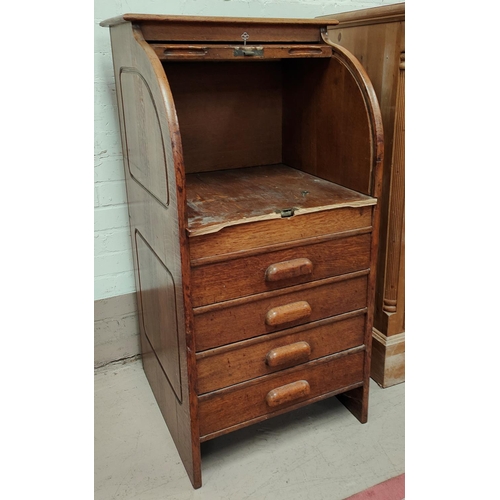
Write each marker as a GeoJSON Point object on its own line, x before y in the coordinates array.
{"type": "Point", "coordinates": [289, 269]}
{"type": "Point", "coordinates": [288, 313]}
{"type": "Point", "coordinates": [292, 353]}
{"type": "Point", "coordinates": [288, 393]}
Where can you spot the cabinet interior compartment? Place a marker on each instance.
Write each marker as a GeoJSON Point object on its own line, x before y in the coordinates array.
{"type": "Point", "coordinates": [241, 114]}
{"type": "Point", "coordinates": [275, 113]}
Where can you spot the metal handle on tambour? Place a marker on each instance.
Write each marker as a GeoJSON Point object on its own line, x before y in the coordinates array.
{"type": "Point", "coordinates": [186, 51]}
{"type": "Point", "coordinates": [305, 51]}
{"type": "Point", "coordinates": [245, 50]}
{"type": "Point", "coordinates": [248, 51]}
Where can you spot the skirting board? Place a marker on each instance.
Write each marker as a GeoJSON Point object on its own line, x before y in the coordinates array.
{"type": "Point", "coordinates": [388, 359]}
{"type": "Point", "coordinates": [116, 329]}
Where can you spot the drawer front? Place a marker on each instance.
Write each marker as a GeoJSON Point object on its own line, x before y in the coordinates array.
{"type": "Point", "coordinates": [240, 319]}
{"type": "Point", "coordinates": [247, 401]}
{"type": "Point", "coordinates": [272, 270]}
{"type": "Point", "coordinates": [250, 359]}
{"type": "Point", "coordinates": [280, 230]}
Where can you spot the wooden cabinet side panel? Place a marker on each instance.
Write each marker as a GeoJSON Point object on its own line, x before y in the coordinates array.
{"type": "Point", "coordinates": [155, 193]}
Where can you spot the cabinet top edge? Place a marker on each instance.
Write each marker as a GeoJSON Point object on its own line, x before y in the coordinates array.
{"type": "Point", "coordinates": [387, 13]}
{"type": "Point", "coordinates": [160, 18]}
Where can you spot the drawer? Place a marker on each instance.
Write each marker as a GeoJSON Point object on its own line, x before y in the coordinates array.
{"type": "Point", "coordinates": [225, 280]}
{"type": "Point", "coordinates": [271, 394]}
{"type": "Point", "coordinates": [278, 230]}
{"type": "Point", "coordinates": [234, 320]}
{"type": "Point", "coordinates": [229, 365]}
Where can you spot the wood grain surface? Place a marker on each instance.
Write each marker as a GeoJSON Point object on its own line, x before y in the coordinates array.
{"type": "Point", "coordinates": [165, 313]}
{"type": "Point", "coordinates": [225, 198]}
{"type": "Point", "coordinates": [184, 52]}
{"type": "Point", "coordinates": [377, 38]}
{"type": "Point", "coordinates": [239, 319]}
{"type": "Point", "coordinates": [252, 180]}
{"type": "Point", "coordinates": [229, 114]}
{"type": "Point", "coordinates": [288, 313]}
{"type": "Point", "coordinates": [227, 407]}
{"type": "Point", "coordinates": [288, 393]}
{"type": "Point", "coordinates": [204, 21]}
{"type": "Point", "coordinates": [229, 279]}
{"type": "Point", "coordinates": [234, 363]}
{"type": "Point", "coordinates": [289, 269]}
{"type": "Point", "coordinates": [288, 354]}
{"type": "Point", "coordinates": [260, 234]}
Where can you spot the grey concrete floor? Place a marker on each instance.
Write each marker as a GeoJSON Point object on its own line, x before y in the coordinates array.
{"type": "Point", "coordinates": [317, 452]}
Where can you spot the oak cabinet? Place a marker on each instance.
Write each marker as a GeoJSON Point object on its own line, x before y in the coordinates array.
{"type": "Point", "coordinates": [253, 152]}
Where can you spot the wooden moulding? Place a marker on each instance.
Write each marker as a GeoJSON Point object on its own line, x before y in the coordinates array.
{"type": "Point", "coordinates": [212, 20]}
{"type": "Point", "coordinates": [374, 15]}
{"type": "Point", "coordinates": [388, 366]}
{"type": "Point", "coordinates": [393, 301]}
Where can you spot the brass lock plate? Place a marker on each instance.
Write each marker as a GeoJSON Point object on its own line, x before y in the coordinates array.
{"type": "Point", "coordinates": [247, 51]}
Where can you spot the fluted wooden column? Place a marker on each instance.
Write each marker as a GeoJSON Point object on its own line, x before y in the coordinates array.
{"type": "Point", "coordinates": [395, 236]}
{"type": "Point", "coordinates": [388, 333]}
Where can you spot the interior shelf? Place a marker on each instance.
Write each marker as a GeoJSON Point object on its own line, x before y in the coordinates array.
{"type": "Point", "coordinates": [225, 198]}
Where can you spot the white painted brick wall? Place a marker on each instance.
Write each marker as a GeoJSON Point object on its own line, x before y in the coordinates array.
{"type": "Point", "coordinates": [113, 267]}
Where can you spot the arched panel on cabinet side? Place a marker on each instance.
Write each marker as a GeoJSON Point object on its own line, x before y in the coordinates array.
{"type": "Point", "coordinates": [156, 201]}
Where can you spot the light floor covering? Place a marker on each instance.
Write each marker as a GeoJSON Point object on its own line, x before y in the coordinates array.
{"type": "Point", "coordinates": [317, 452]}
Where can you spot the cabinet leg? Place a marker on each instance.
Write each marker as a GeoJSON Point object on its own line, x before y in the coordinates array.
{"type": "Point", "coordinates": [195, 476]}
{"type": "Point", "coordinates": [356, 401]}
